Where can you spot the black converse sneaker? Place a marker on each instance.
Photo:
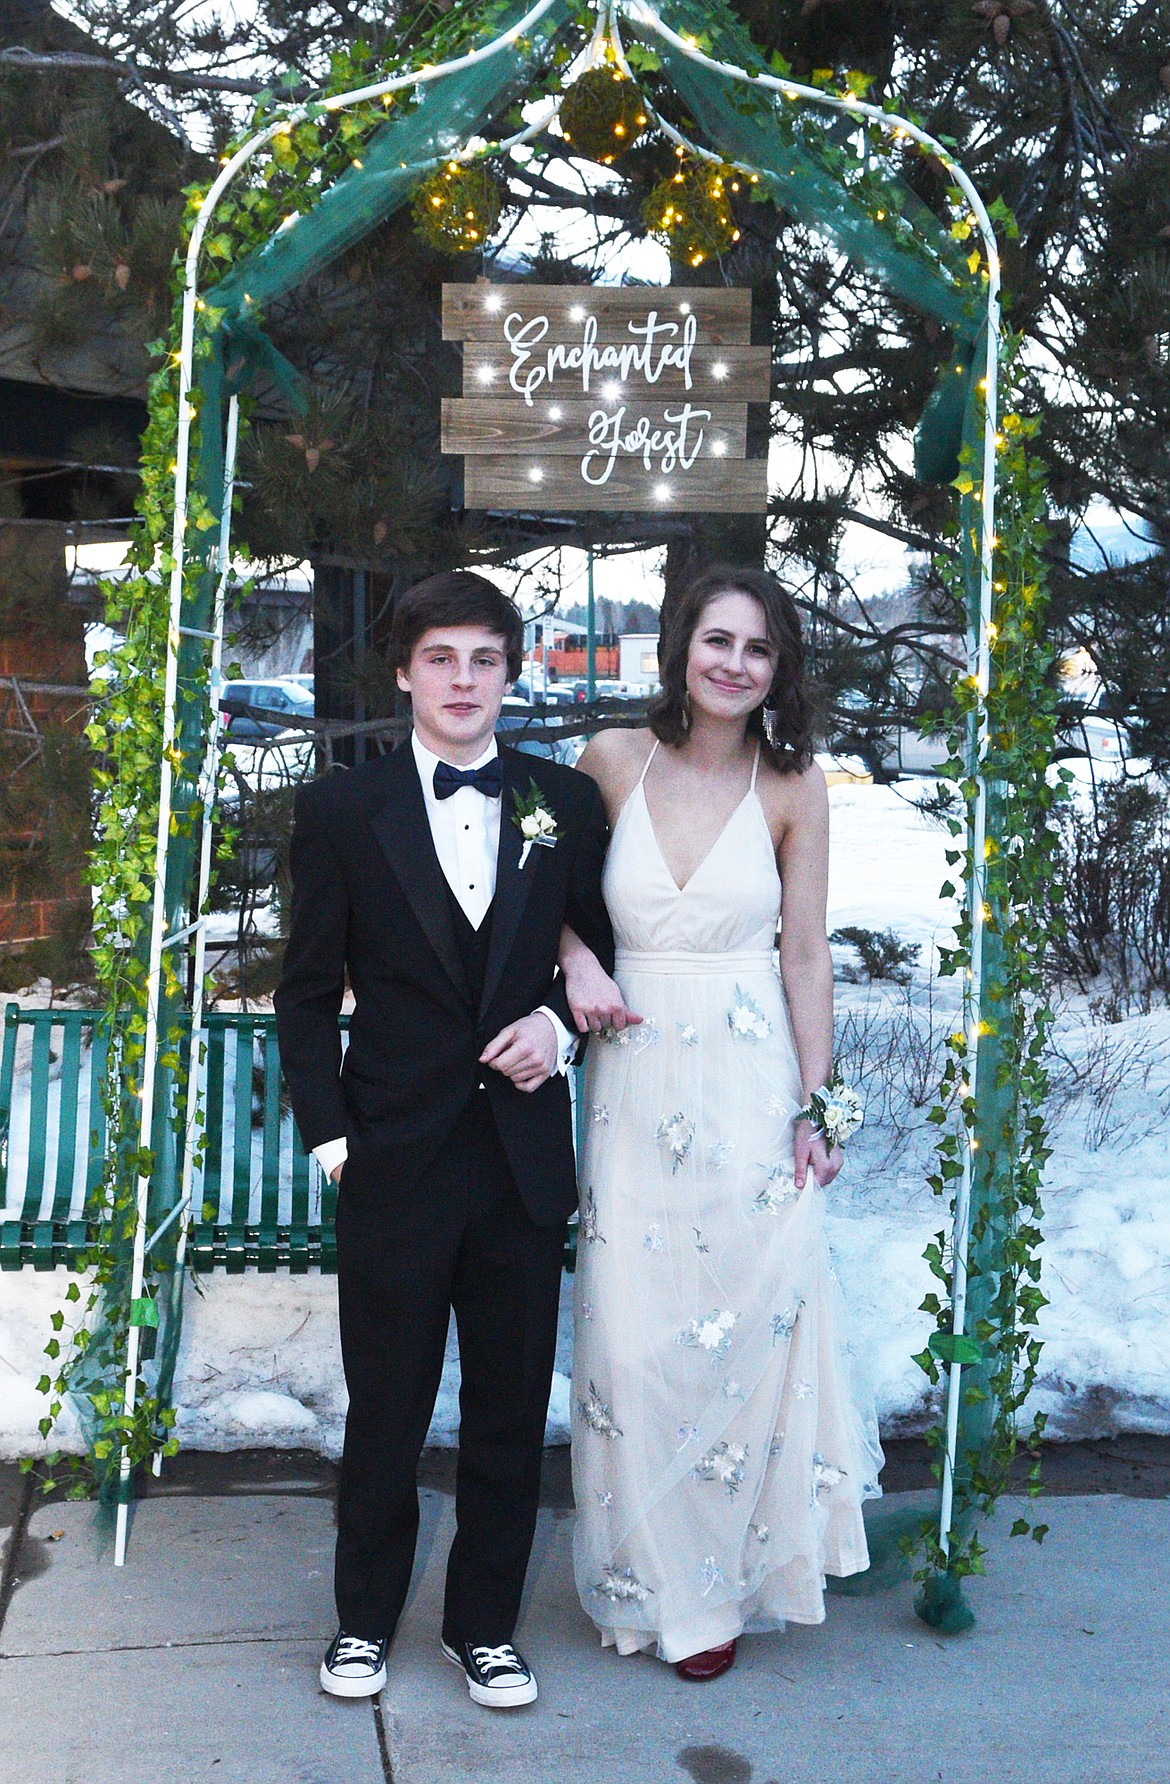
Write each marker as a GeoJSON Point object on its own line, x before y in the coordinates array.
{"type": "Point", "coordinates": [353, 1667]}
{"type": "Point", "coordinates": [496, 1676]}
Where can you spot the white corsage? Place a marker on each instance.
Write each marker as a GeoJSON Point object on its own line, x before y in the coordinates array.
{"type": "Point", "coordinates": [535, 822]}
{"type": "Point", "coordinates": [835, 1111]}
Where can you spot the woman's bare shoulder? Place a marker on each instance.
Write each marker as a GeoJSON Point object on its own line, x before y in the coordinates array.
{"type": "Point", "coordinates": [793, 797]}
{"type": "Point", "coordinates": [615, 758]}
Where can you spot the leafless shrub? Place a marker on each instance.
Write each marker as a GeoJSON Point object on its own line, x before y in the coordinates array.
{"type": "Point", "coordinates": [1092, 1076]}
{"type": "Point", "coordinates": [1110, 903]}
{"type": "Point", "coordinates": [891, 1050]}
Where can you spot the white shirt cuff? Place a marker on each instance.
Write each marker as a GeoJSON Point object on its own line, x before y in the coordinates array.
{"type": "Point", "coordinates": [566, 1042]}
{"type": "Point", "coordinates": [331, 1153]}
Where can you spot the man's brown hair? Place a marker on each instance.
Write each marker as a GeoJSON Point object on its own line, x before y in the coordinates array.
{"type": "Point", "coordinates": [456, 598]}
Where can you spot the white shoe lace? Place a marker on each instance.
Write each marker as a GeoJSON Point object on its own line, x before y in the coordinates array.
{"type": "Point", "coordinates": [494, 1659]}
{"type": "Point", "coordinates": [352, 1650]}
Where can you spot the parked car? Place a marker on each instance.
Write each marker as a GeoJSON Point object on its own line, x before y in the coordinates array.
{"type": "Point", "coordinates": [602, 690]}
{"type": "Point", "coordinates": [284, 694]}
{"type": "Point", "coordinates": [516, 715]}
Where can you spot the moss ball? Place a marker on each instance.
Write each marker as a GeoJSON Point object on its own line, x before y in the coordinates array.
{"type": "Point", "coordinates": [602, 114]}
{"type": "Point", "coordinates": [690, 212]}
{"type": "Point", "coordinates": [456, 209]}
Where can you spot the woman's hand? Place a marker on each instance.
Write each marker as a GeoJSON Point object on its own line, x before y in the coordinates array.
{"type": "Point", "coordinates": [594, 998]}
{"type": "Point", "coordinates": [811, 1151]}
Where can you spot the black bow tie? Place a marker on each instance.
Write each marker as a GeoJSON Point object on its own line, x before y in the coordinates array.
{"type": "Point", "coordinates": [488, 780]}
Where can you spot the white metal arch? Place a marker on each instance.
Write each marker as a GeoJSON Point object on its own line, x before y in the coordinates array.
{"type": "Point", "coordinates": [642, 14]}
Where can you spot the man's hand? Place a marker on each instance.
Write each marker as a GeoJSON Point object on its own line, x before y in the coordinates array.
{"type": "Point", "coordinates": [335, 1173]}
{"type": "Point", "coordinates": [525, 1051]}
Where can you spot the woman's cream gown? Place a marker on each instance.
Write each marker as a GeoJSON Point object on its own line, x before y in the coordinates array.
{"type": "Point", "coordinates": [719, 1458]}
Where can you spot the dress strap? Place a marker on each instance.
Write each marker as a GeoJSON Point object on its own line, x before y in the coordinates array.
{"type": "Point", "coordinates": [650, 758]}
{"type": "Point", "coordinates": [755, 769]}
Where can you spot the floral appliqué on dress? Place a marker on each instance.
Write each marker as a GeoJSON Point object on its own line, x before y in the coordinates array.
{"type": "Point", "coordinates": [710, 1575]}
{"type": "Point", "coordinates": [779, 1189]}
{"type": "Point", "coordinates": [746, 1020]}
{"type": "Point", "coordinates": [711, 1332]}
{"type": "Point", "coordinates": [621, 1585]}
{"type": "Point", "coordinates": [597, 1414]}
{"type": "Point", "coordinates": [677, 1134]}
{"type": "Point", "coordinates": [824, 1477]}
{"type": "Point", "coordinates": [590, 1231]}
{"type": "Point", "coordinates": [724, 1463]}
{"type": "Point", "coordinates": [637, 1039]}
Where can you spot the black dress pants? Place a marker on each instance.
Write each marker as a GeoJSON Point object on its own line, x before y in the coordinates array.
{"type": "Point", "coordinates": [462, 1239]}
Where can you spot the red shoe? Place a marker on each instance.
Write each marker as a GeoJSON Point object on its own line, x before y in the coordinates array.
{"type": "Point", "coordinates": [707, 1665]}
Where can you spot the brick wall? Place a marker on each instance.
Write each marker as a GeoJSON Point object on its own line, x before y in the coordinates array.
{"type": "Point", "coordinates": [42, 639]}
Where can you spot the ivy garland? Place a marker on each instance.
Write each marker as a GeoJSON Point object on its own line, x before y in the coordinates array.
{"type": "Point", "coordinates": [1001, 1347]}
{"type": "Point", "coordinates": [89, 1362]}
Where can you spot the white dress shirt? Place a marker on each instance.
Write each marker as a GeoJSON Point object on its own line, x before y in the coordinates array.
{"type": "Point", "coordinates": [465, 829]}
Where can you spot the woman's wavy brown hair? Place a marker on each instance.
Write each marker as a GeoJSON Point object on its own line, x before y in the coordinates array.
{"type": "Point", "coordinates": [783, 723]}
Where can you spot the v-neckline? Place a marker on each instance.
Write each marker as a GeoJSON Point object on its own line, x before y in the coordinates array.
{"type": "Point", "coordinates": [693, 875]}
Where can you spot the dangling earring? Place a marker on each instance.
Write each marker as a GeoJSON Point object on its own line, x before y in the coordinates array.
{"type": "Point", "coordinates": [686, 709]}
{"type": "Point", "coordinates": [771, 728]}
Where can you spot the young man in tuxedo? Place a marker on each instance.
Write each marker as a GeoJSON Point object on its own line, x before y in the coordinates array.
{"type": "Point", "coordinates": [447, 1126]}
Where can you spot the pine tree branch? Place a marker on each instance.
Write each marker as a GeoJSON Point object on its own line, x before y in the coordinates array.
{"type": "Point", "coordinates": [53, 60]}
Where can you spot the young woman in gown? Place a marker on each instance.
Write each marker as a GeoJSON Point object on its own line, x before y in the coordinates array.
{"type": "Point", "coordinates": [719, 1458]}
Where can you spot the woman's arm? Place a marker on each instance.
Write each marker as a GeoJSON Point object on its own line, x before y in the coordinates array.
{"type": "Point", "coordinates": [806, 965]}
{"type": "Point", "coordinates": [594, 998]}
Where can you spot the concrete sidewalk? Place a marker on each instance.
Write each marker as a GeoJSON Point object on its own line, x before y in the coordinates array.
{"type": "Point", "coordinates": [199, 1660]}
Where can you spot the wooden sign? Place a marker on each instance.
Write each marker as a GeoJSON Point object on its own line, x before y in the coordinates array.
{"type": "Point", "coordinates": [620, 398]}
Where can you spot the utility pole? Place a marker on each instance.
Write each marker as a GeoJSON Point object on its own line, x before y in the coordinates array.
{"type": "Point", "coordinates": [590, 633]}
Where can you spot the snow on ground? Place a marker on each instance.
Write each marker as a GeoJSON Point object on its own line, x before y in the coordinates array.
{"type": "Point", "coordinates": [260, 1363]}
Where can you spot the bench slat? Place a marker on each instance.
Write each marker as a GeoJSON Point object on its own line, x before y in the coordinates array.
{"type": "Point", "coordinates": [244, 1046]}
{"type": "Point", "coordinates": [70, 1090]}
{"type": "Point", "coordinates": [38, 1121]}
{"type": "Point", "coordinates": [270, 1169]}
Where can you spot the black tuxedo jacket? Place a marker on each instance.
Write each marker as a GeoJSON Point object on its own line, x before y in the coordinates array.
{"type": "Point", "coordinates": [370, 899]}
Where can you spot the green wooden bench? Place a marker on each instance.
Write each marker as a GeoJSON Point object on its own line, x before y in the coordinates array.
{"type": "Point", "coordinates": [273, 1207]}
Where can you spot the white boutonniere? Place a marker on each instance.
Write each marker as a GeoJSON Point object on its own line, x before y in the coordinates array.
{"type": "Point", "coordinates": [535, 822]}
